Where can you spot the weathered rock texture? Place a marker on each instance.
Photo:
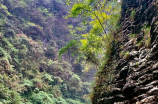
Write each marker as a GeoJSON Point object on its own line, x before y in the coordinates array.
{"type": "Point", "coordinates": [136, 80]}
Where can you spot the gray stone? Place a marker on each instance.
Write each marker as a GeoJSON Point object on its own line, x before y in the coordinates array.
{"type": "Point", "coordinates": [143, 53]}
{"type": "Point", "coordinates": [134, 53]}
{"type": "Point", "coordinates": [155, 66]}
{"type": "Point", "coordinates": [154, 48]}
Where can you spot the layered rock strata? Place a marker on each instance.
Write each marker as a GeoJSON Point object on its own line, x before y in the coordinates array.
{"type": "Point", "coordinates": [136, 77]}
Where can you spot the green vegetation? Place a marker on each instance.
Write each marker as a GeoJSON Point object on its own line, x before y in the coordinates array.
{"type": "Point", "coordinates": [146, 40]}
{"type": "Point", "coordinates": [139, 44]}
{"type": "Point", "coordinates": [133, 36]}
{"type": "Point", "coordinates": [3, 7]}
{"type": "Point", "coordinates": [94, 43]}
{"type": "Point", "coordinates": [126, 55]}
{"type": "Point", "coordinates": [43, 98]}
{"type": "Point", "coordinates": [45, 11]}
{"type": "Point", "coordinates": [147, 37]}
{"type": "Point", "coordinates": [147, 30]}
{"type": "Point", "coordinates": [95, 47]}
{"type": "Point", "coordinates": [137, 65]}
{"type": "Point", "coordinates": [133, 13]}
{"type": "Point", "coordinates": [30, 72]}
{"type": "Point", "coordinates": [68, 47]}
{"type": "Point", "coordinates": [33, 80]}
{"type": "Point", "coordinates": [121, 53]}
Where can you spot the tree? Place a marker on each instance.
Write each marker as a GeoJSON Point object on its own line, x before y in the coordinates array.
{"type": "Point", "coordinates": [102, 16]}
{"type": "Point", "coordinates": [96, 46]}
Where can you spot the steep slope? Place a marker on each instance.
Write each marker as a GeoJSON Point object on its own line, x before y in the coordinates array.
{"type": "Point", "coordinates": [31, 33]}
{"type": "Point", "coordinates": [136, 64]}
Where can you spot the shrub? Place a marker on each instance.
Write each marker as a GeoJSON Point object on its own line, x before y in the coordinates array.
{"type": "Point", "coordinates": [36, 90]}
{"type": "Point", "coordinates": [9, 33]}
{"type": "Point", "coordinates": [51, 53]}
{"type": "Point", "coordinates": [15, 98]}
{"type": "Point", "coordinates": [126, 55]}
{"type": "Point", "coordinates": [45, 11]}
{"type": "Point", "coordinates": [5, 9]}
{"type": "Point", "coordinates": [68, 47]}
{"type": "Point", "coordinates": [27, 83]}
{"type": "Point", "coordinates": [72, 101]}
{"type": "Point", "coordinates": [147, 30]}
{"type": "Point", "coordinates": [4, 92]}
{"type": "Point", "coordinates": [75, 83]}
{"type": "Point", "coordinates": [2, 52]}
{"type": "Point", "coordinates": [43, 98]}
{"type": "Point", "coordinates": [58, 79]}
{"type": "Point", "coordinates": [38, 83]}
{"type": "Point", "coordinates": [6, 65]}
{"type": "Point", "coordinates": [148, 42]}
{"type": "Point", "coordinates": [147, 37]}
{"type": "Point", "coordinates": [61, 101]}
{"type": "Point", "coordinates": [10, 96]}
{"type": "Point", "coordinates": [133, 36]}
{"type": "Point", "coordinates": [64, 87]}
{"type": "Point", "coordinates": [47, 78]}
{"type": "Point", "coordinates": [122, 53]}
{"type": "Point", "coordinates": [5, 43]}
{"type": "Point", "coordinates": [137, 65]}
{"type": "Point", "coordinates": [121, 47]}
{"type": "Point", "coordinates": [133, 13]}
{"type": "Point", "coordinates": [140, 44]}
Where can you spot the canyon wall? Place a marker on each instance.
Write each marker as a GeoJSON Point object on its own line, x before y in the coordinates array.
{"type": "Point", "coordinates": [136, 67]}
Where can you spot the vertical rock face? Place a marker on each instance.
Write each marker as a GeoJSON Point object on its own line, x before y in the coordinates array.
{"type": "Point", "coordinates": [136, 78]}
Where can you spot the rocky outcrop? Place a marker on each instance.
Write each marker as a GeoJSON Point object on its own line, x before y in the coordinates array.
{"type": "Point", "coordinates": [136, 77]}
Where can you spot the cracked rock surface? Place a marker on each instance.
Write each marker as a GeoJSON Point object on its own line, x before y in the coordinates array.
{"type": "Point", "coordinates": [136, 80]}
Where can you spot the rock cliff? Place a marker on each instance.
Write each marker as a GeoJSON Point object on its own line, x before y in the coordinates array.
{"type": "Point", "coordinates": [136, 70]}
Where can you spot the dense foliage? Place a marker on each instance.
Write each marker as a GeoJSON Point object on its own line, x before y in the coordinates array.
{"type": "Point", "coordinates": [31, 32]}
{"type": "Point", "coordinates": [102, 17]}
